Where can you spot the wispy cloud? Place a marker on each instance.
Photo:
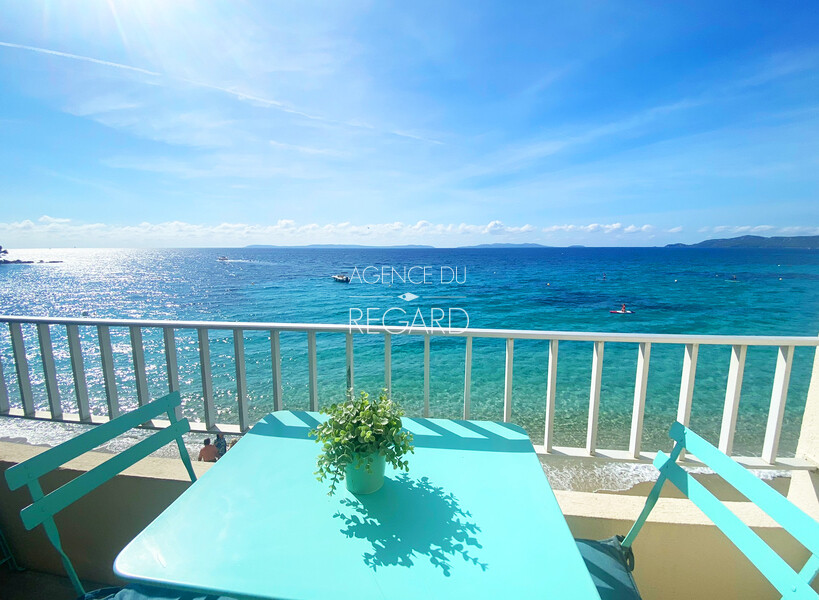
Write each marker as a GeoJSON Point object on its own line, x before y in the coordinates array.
{"type": "Point", "coordinates": [234, 92]}
{"type": "Point", "coordinates": [88, 59]}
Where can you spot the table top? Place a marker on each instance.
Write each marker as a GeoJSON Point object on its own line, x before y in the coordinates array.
{"type": "Point", "coordinates": [474, 518]}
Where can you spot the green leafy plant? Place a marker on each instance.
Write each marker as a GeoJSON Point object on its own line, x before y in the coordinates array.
{"type": "Point", "coordinates": [358, 429]}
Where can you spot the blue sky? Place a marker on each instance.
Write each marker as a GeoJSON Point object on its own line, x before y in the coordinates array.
{"type": "Point", "coordinates": [156, 123]}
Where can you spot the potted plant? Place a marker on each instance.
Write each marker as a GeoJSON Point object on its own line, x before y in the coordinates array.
{"type": "Point", "coordinates": [358, 439]}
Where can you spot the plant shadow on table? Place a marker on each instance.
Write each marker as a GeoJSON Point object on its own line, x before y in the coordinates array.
{"type": "Point", "coordinates": [409, 518]}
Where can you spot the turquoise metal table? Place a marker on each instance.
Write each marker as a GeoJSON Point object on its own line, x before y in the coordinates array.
{"type": "Point", "coordinates": [474, 518]}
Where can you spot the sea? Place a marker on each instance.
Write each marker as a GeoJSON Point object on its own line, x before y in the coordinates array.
{"type": "Point", "coordinates": [669, 290]}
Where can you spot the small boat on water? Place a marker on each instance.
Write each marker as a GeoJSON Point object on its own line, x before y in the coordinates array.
{"type": "Point", "coordinates": [222, 258]}
{"type": "Point", "coordinates": [341, 278]}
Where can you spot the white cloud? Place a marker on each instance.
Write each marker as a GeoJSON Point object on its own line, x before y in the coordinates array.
{"type": "Point", "coordinates": [677, 229]}
{"type": "Point", "coordinates": [49, 231]}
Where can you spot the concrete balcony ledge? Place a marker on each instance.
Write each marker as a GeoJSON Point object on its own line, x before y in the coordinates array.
{"type": "Point", "coordinates": [679, 553]}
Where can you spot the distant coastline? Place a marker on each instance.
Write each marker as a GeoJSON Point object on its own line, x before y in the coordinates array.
{"type": "Point", "coordinates": [404, 247]}
{"type": "Point", "coordinates": [808, 242]}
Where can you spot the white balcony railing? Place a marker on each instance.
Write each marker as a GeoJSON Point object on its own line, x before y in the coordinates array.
{"type": "Point", "coordinates": [691, 344]}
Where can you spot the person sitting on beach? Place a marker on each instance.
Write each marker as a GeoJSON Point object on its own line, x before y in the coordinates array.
{"type": "Point", "coordinates": [208, 453]}
{"type": "Point", "coordinates": [221, 444]}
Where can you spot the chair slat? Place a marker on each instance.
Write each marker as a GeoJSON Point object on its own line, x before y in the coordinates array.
{"type": "Point", "coordinates": [790, 517]}
{"type": "Point", "coordinates": [769, 563]}
{"type": "Point", "coordinates": [75, 489]}
{"type": "Point", "coordinates": [37, 466]}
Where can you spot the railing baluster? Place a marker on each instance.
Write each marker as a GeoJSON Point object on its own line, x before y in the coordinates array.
{"type": "Point", "coordinates": [551, 387]}
{"type": "Point", "coordinates": [78, 371]}
{"type": "Point", "coordinates": [779, 395]}
{"type": "Point", "coordinates": [18, 348]}
{"type": "Point", "coordinates": [350, 360]}
{"type": "Point", "coordinates": [507, 380]}
{"type": "Point", "coordinates": [689, 375]}
{"type": "Point", "coordinates": [313, 370]}
{"type": "Point", "coordinates": [276, 364]}
{"type": "Point", "coordinates": [732, 393]}
{"type": "Point", "coordinates": [388, 363]}
{"type": "Point", "coordinates": [635, 439]}
{"type": "Point", "coordinates": [49, 371]}
{"type": "Point", "coordinates": [426, 375]}
{"type": "Point", "coordinates": [4, 391]}
{"type": "Point", "coordinates": [108, 375]}
{"type": "Point", "coordinates": [207, 379]}
{"type": "Point", "coordinates": [241, 377]}
{"type": "Point", "coordinates": [138, 352]}
{"type": "Point", "coordinates": [468, 377]}
{"type": "Point", "coordinates": [171, 365]}
{"type": "Point", "coordinates": [594, 396]}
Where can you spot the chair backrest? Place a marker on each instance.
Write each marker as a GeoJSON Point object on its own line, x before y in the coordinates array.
{"type": "Point", "coordinates": [44, 506]}
{"type": "Point", "coordinates": [803, 528]}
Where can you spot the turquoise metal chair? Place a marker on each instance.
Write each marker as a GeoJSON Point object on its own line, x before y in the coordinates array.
{"type": "Point", "coordinates": [44, 506]}
{"type": "Point", "coordinates": [611, 561]}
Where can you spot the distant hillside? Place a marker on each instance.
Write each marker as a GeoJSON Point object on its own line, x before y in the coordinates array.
{"type": "Point", "coordinates": [339, 246]}
{"type": "Point", "coordinates": [501, 245]}
{"type": "Point", "coordinates": [757, 241]}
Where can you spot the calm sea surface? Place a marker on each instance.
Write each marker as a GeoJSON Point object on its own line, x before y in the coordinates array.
{"type": "Point", "coordinates": [692, 291]}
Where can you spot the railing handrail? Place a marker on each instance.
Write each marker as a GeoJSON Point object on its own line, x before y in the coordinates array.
{"type": "Point", "coordinates": [534, 334]}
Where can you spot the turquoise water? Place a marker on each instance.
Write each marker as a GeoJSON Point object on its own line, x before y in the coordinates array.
{"type": "Point", "coordinates": [690, 291]}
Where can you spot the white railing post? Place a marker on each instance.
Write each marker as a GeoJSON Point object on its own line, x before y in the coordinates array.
{"type": "Point", "coordinates": [241, 377]}
{"type": "Point", "coordinates": [78, 371]}
{"type": "Point", "coordinates": [171, 365]}
{"type": "Point", "coordinates": [276, 363]}
{"type": "Point", "coordinates": [468, 377]}
{"type": "Point", "coordinates": [779, 395]}
{"type": "Point", "coordinates": [350, 361]}
{"type": "Point", "coordinates": [507, 380]}
{"type": "Point", "coordinates": [594, 397]}
{"type": "Point", "coordinates": [635, 439]}
{"type": "Point", "coordinates": [551, 388]}
{"type": "Point", "coordinates": [732, 394]}
{"type": "Point", "coordinates": [808, 447]}
{"type": "Point", "coordinates": [18, 348]}
{"type": "Point", "coordinates": [388, 363]}
{"type": "Point", "coordinates": [207, 379]}
{"type": "Point", "coordinates": [4, 391]}
{"type": "Point", "coordinates": [689, 376]}
{"type": "Point", "coordinates": [49, 371]}
{"type": "Point", "coordinates": [426, 375]}
{"type": "Point", "coordinates": [313, 370]}
{"type": "Point", "coordinates": [138, 351]}
{"type": "Point", "coordinates": [108, 375]}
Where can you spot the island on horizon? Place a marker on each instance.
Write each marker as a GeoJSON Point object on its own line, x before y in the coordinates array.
{"type": "Point", "coordinates": [807, 242]}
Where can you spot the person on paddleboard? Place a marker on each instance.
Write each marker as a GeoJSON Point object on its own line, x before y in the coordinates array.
{"type": "Point", "coordinates": [623, 309]}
